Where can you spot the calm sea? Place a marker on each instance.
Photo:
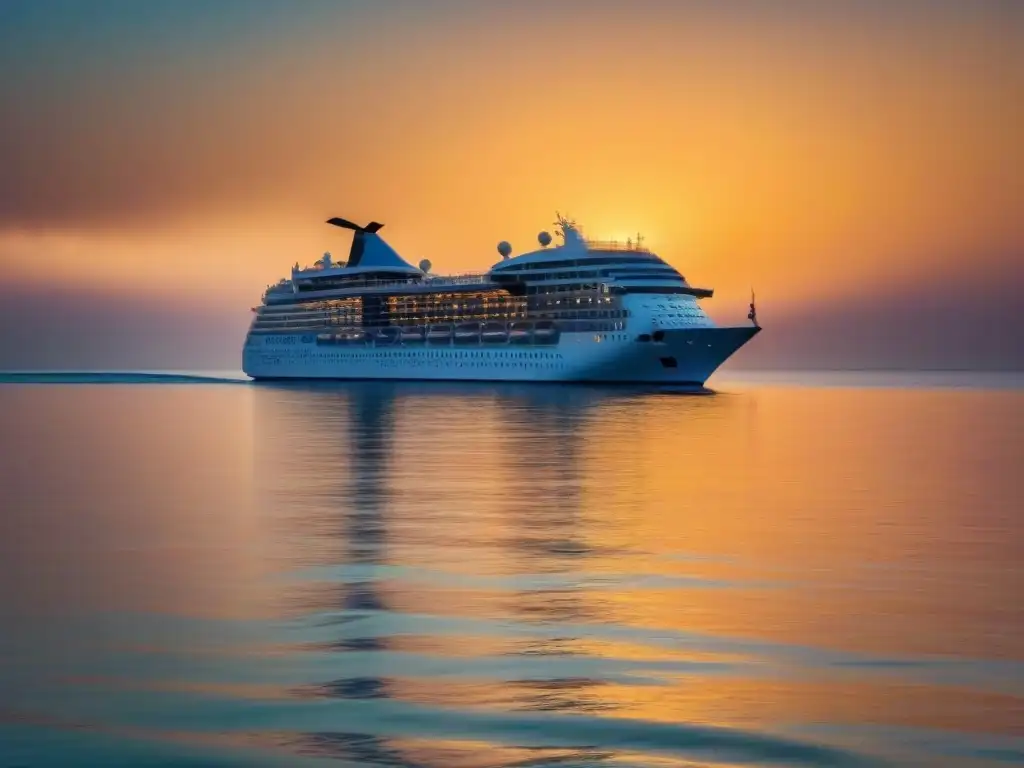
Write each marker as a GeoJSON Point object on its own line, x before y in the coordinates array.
{"type": "Point", "coordinates": [795, 570]}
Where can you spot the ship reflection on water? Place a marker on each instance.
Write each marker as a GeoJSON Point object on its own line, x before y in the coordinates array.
{"type": "Point", "coordinates": [601, 559]}
{"type": "Point", "coordinates": [521, 505]}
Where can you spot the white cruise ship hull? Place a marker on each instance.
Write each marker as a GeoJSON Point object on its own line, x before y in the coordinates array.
{"type": "Point", "coordinates": [680, 357]}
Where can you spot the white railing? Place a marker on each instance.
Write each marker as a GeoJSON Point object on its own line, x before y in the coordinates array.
{"type": "Point", "coordinates": [470, 278]}
{"type": "Point", "coordinates": [616, 245]}
{"type": "Point", "coordinates": [459, 278]}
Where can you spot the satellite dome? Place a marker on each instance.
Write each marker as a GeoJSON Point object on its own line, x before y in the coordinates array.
{"type": "Point", "coordinates": [505, 249]}
{"type": "Point", "coordinates": [544, 238]}
{"type": "Point", "coordinates": [425, 265]}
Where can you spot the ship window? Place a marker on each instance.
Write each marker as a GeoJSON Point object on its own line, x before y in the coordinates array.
{"type": "Point", "coordinates": [669, 362]}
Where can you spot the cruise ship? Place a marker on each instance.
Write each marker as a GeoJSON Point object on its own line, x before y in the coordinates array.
{"type": "Point", "coordinates": [571, 310]}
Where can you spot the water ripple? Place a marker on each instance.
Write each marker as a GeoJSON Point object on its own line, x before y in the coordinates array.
{"type": "Point", "coordinates": [461, 577]}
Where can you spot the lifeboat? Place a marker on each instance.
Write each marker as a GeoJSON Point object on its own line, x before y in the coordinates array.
{"type": "Point", "coordinates": [412, 335]}
{"type": "Point", "coordinates": [439, 334]}
{"type": "Point", "coordinates": [494, 333]}
{"type": "Point", "coordinates": [387, 336]}
{"type": "Point", "coordinates": [467, 333]}
{"type": "Point", "coordinates": [546, 332]}
{"type": "Point", "coordinates": [351, 337]}
{"type": "Point", "coordinates": [520, 333]}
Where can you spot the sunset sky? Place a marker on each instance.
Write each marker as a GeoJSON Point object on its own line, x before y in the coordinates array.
{"type": "Point", "coordinates": [858, 164]}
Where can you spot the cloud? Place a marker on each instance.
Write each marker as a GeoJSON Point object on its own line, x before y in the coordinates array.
{"type": "Point", "coordinates": [145, 114]}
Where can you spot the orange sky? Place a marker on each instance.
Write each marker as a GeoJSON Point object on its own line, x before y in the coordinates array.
{"type": "Point", "coordinates": [193, 153]}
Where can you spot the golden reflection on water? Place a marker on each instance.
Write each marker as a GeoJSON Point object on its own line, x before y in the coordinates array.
{"type": "Point", "coordinates": [852, 520]}
{"type": "Point", "coordinates": [752, 559]}
{"type": "Point", "coordinates": [821, 511]}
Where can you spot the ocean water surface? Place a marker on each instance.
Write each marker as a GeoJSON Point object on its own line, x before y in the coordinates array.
{"type": "Point", "coordinates": [791, 570]}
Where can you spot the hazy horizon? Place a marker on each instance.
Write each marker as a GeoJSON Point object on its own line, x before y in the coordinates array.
{"type": "Point", "coordinates": [856, 164]}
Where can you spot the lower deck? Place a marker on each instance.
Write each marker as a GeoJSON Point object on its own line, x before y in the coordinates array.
{"type": "Point", "coordinates": [675, 356]}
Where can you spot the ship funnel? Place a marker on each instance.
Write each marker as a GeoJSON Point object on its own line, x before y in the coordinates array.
{"type": "Point", "coordinates": [369, 249]}
{"type": "Point", "coordinates": [370, 228]}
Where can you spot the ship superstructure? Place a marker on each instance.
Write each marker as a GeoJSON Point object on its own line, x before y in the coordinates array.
{"type": "Point", "coordinates": [580, 310]}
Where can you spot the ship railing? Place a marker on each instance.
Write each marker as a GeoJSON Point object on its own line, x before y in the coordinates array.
{"type": "Point", "coordinates": [461, 278]}
{"type": "Point", "coordinates": [456, 277]}
{"type": "Point", "coordinates": [469, 278]}
{"type": "Point", "coordinates": [439, 281]}
{"type": "Point", "coordinates": [617, 245]}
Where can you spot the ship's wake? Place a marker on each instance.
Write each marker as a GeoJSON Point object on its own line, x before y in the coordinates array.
{"type": "Point", "coordinates": [119, 377]}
